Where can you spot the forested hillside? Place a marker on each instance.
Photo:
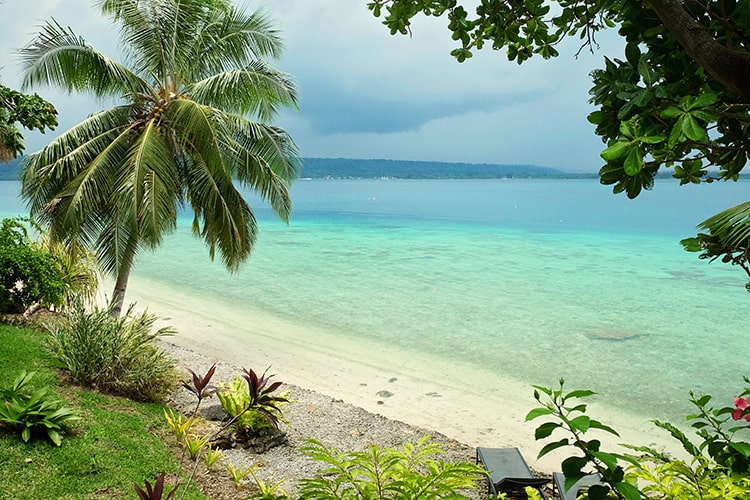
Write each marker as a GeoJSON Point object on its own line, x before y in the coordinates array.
{"type": "Point", "coordinates": [318, 168]}
{"type": "Point", "coordinates": [337, 168]}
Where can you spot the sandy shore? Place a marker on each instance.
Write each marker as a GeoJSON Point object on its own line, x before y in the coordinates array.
{"type": "Point", "coordinates": [465, 403]}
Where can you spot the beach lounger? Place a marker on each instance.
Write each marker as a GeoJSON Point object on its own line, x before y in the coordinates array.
{"type": "Point", "coordinates": [558, 480]}
{"type": "Point", "coordinates": [508, 471]}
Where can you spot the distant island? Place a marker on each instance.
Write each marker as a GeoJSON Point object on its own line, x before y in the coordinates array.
{"type": "Point", "coordinates": [348, 168]}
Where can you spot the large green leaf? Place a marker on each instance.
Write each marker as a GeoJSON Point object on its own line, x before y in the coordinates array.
{"type": "Point", "coordinates": [691, 128]}
{"type": "Point", "coordinates": [634, 160]}
{"type": "Point", "coordinates": [616, 150]}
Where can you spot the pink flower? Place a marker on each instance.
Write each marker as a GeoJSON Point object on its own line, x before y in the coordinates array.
{"type": "Point", "coordinates": [741, 404]}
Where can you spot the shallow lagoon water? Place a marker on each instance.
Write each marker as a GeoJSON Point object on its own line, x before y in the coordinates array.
{"type": "Point", "coordinates": [535, 279]}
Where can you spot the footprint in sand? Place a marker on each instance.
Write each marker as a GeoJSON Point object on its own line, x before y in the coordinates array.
{"type": "Point", "coordinates": [392, 380]}
{"type": "Point", "coordinates": [433, 395]}
{"type": "Point", "coordinates": [384, 394]}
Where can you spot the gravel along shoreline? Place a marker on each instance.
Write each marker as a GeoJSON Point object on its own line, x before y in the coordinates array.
{"type": "Point", "coordinates": [310, 416]}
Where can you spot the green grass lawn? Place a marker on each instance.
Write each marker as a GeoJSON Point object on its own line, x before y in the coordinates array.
{"type": "Point", "coordinates": [117, 442]}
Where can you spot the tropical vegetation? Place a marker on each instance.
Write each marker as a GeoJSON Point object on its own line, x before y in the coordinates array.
{"type": "Point", "coordinates": [192, 127]}
{"type": "Point", "coordinates": [114, 443]}
{"type": "Point", "coordinates": [28, 110]}
{"type": "Point", "coordinates": [115, 355]}
{"type": "Point", "coordinates": [717, 467]}
{"type": "Point", "coordinates": [678, 98]}
{"type": "Point", "coordinates": [36, 272]}
{"type": "Point", "coordinates": [28, 273]}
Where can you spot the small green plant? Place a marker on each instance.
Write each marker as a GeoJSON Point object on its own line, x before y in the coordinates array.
{"type": "Point", "coordinates": [235, 398]}
{"type": "Point", "coordinates": [238, 474]}
{"type": "Point", "coordinates": [156, 492]}
{"type": "Point", "coordinates": [34, 412]}
{"type": "Point", "coordinates": [570, 416]}
{"type": "Point", "coordinates": [267, 490]}
{"type": "Point", "coordinates": [179, 424]}
{"type": "Point", "coordinates": [379, 473]}
{"type": "Point", "coordinates": [211, 456]}
{"type": "Point", "coordinates": [116, 355]}
{"type": "Point", "coordinates": [195, 443]}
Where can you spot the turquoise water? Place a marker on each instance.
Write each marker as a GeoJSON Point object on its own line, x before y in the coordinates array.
{"type": "Point", "coordinates": [534, 279]}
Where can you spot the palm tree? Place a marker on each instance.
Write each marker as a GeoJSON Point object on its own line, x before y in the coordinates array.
{"type": "Point", "coordinates": [197, 98]}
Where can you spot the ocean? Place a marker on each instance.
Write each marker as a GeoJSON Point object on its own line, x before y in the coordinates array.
{"type": "Point", "coordinates": [536, 280]}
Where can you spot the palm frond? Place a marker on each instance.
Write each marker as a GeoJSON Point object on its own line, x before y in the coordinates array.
{"type": "Point", "coordinates": [732, 226]}
{"type": "Point", "coordinates": [257, 90]}
{"type": "Point", "coordinates": [46, 171]}
{"type": "Point", "coordinates": [145, 29]}
{"type": "Point", "coordinates": [116, 240]}
{"type": "Point", "coordinates": [58, 57]}
{"type": "Point", "coordinates": [196, 128]}
{"type": "Point", "coordinates": [68, 194]}
{"type": "Point", "coordinates": [149, 185]}
{"type": "Point", "coordinates": [231, 39]}
{"type": "Point", "coordinates": [223, 219]}
{"type": "Point", "coordinates": [265, 159]}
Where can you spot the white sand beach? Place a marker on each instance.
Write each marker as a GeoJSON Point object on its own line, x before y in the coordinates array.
{"type": "Point", "coordinates": [472, 406]}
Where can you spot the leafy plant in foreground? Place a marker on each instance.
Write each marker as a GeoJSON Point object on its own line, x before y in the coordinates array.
{"type": "Point", "coordinates": [718, 467]}
{"type": "Point", "coordinates": [34, 412]}
{"type": "Point", "coordinates": [238, 474]}
{"type": "Point", "coordinates": [116, 355]}
{"type": "Point", "coordinates": [381, 473]}
{"type": "Point", "coordinates": [570, 416]}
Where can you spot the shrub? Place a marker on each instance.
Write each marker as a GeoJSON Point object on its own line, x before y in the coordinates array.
{"type": "Point", "coordinates": [28, 274]}
{"type": "Point", "coordinates": [236, 401]}
{"type": "Point", "coordinates": [79, 271]}
{"type": "Point", "coordinates": [115, 355]}
{"type": "Point", "coordinates": [33, 411]}
{"type": "Point", "coordinates": [718, 468]}
{"type": "Point", "coordinates": [378, 473]}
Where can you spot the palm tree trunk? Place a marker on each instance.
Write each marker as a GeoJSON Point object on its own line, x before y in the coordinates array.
{"type": "Point", "coordinates": [123, 274]}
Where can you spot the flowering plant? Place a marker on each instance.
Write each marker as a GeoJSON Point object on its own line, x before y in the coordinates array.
{"type": "Point", "coordinates": [741, 406]}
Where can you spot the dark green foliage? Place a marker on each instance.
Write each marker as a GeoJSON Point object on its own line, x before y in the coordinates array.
{"type": "Point", "coordinates": [32, 411]}
{"type": "Point", "coordinates": [28, 274]}
{"type": "Point", "coordinates": [387, 473]}
{"type": "Point", "coordinates": [569, 415]}
{"type": "Point", "coordinates": [116, 355]}
{"type": "Point", "coordinates": [30, 111]}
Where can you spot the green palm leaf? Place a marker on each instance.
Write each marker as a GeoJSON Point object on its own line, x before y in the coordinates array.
{"type": "Point", "coordinates": [257, 90]}
{"type": "Point", "coordinates": [59, 58]}
{"type": "Point", "coordinates": [732, 225]}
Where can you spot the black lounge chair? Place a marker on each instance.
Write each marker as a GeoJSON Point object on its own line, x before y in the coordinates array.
{"type": "Point", "coordinates": [508, 471]}
{"type": "Point", "coordinates": [558, 480]}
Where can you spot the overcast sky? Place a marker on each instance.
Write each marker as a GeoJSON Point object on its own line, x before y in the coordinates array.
{"type": "Point", "coordinates": [367, 94]}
